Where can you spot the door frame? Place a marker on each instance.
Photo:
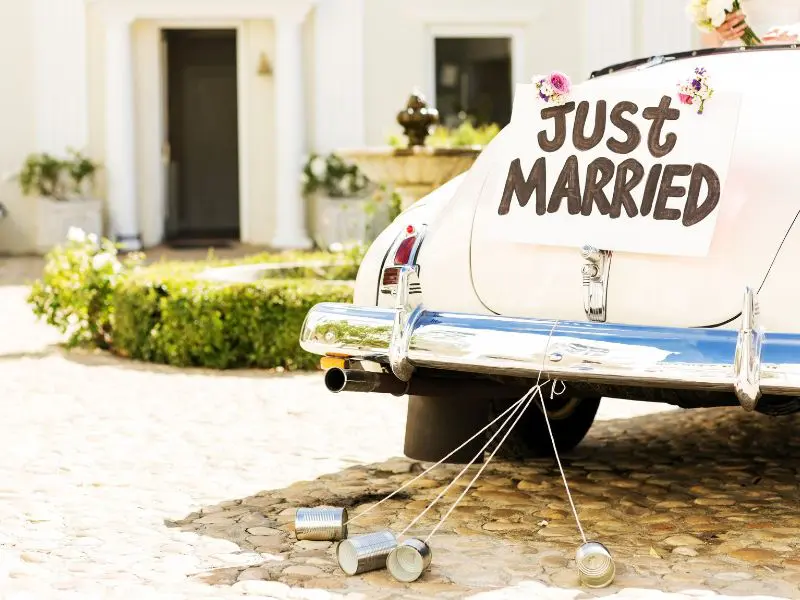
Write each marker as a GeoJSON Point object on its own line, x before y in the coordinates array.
{"type": "Point", "coordinates": [242, 117]}
{"type": "Point", "coordinates": [476, 30]}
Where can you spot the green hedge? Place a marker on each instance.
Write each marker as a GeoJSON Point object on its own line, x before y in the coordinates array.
{"type": "Point", "coordinates": [179, 321]}
{"type": "Point", "coordinates": [165, 313]}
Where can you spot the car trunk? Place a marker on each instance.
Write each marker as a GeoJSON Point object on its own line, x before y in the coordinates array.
{"type": "Point", "coordinates": [514, 276]}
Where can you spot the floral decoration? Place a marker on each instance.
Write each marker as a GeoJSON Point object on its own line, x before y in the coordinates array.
{"type": "Point", "coordinates": [696, 90]}
{"type": "Point", "coordinates": [554, 88]}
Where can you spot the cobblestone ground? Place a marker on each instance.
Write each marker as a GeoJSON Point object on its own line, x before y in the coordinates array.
{"type": "Point", "coordinates": [127, 481]}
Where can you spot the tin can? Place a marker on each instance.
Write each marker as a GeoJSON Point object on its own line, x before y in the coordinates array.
{"type": "Point", "coordinates": [322, 523]}
{"type": "Point", "coordinates": [365, 552]}
{"type": "Point", "coordinates": [409, 560]}
{"type": "Point", "coordinates": [595, 565]}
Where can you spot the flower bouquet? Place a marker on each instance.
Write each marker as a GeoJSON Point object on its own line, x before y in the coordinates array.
{"type": "Point", "coordinates": [554, 88]}
{"type": "Point", "coordinates": [707, 15]}
{"type": "Point", "coordinates": [696, 90]}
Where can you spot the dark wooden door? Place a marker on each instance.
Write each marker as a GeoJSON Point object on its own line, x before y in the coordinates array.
{"type": "Point", "coordinates": [203, 134]}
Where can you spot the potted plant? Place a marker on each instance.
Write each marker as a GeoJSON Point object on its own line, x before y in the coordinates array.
{"type": "Point", "coordinates": [63, 189]}
{"type": "Point", "coordinates": [340, 198]}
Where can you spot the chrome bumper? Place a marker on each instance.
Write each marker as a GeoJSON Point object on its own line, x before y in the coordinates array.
{"type": "Point", "coordinates": [746, 362]}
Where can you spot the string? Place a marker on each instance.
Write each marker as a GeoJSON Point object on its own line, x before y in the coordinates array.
{"type": "Point", "coordinates": [483, 467]}
{"type": "Point", "coordinates": [429, 469]}
{"type": "Point", "coordinates": [536, 389]}
{"type": "Point", "coordinates": [563, 475]}
{"type": "Point", "coordinates": [516, 405]}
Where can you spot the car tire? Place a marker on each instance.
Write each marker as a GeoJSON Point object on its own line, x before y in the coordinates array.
{"type": "Point", "coordinates": [437, 425]}
{"type": "Point", "coordinates": [571, 418]}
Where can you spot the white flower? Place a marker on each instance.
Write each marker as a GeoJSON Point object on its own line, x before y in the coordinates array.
{"type": "Point", "coordinates": [304, 179]}
{"type": "Point", "coordinates": [347, 182]}
{"type": "Point", "coordinates": [93, 238]}
{"type": "Point", "coordinates": [716, 11]}
{"type": "Point", "coordinates": [76, 234]}
{"type": "Point", "coordinates": [99, 261]}
{"type": "Point", "coordinates": [318, 168]}
{"type": "Point", "coordinates": [697, 9]}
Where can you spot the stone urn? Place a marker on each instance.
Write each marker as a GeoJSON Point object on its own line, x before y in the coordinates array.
{"type": "Point", "coordinates": [416, 170]}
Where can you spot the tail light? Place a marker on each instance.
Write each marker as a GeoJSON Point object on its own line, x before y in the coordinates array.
{"type": "Point", "coordinates": [402, 255]}
{"type": "Point", "coordinates": [391, 276]}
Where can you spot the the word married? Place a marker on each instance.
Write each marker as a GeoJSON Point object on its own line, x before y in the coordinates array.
{"type": "Point", "coordinates": [627, 176]}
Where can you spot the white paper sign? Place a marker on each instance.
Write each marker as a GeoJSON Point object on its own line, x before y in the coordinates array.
{"type": "Point", "coordinates": [621, 169]}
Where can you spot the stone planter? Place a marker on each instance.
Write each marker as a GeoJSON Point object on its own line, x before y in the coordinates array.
{"type": "Point", "coordinates": [54, 218]}
{"type": "Point", "coordinates": [342, 220]}
{"type": "Point", "coordinates": [413, 172]}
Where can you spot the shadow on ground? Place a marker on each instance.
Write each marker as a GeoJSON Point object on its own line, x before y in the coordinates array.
{"type": "Point", "coordinates": [102, 358]}
{"type": "Point", "coordinates": [684, 500]}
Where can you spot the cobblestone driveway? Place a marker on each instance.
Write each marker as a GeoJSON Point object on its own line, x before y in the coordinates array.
{"type": "Point", "coordinates": [127, 481]}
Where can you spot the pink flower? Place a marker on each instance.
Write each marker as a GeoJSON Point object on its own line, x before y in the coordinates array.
{"type": "Point", "coordinates": [560, 82]}
{"type": "Point", "coordinates": [685, 98]}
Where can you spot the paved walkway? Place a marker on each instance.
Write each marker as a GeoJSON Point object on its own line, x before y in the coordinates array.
{"type": "Point", "coordinates": [129, 481]}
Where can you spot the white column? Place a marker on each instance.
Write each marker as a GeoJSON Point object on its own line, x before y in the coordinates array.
{"type": "Point", "coordinates": [60, 75]}
{"type": "Point", "coordinates": [120, 155]}
{"type": "Point", "coordinates": [339, 75]}
{"type": "Point", "coordinates": [290, 209]}
{"type": "Point", "coordinates": [609, 32]}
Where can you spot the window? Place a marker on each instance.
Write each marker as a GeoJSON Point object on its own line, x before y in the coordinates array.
{"type": "Point", "coordinates": [473, 80]}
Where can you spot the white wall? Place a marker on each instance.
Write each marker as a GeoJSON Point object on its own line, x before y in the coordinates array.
{"type": "Point", "coordinates": [16, 120]}
{"type": "Point", "coordinates": [575, 36]}
{"type": "Point", "coordinates": [363, 58]}
{"type": "Point", "coordinates": [399, 45]}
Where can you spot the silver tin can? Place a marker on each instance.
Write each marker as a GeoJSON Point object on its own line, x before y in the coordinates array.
{"type": "Point", "coordinates": [323, 524]}
{"type": "Point", "coordinates": [595, 565]}
{"type": "Point", "coordinates": [365, 552]}
{"type": "Point", "coordinates": [409, 560]}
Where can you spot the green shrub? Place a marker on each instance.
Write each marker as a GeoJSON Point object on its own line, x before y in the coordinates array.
{"type": "Point", "coordinates": [466, 135]}
{"type": "Point", "coordinates": [74, 293]}
{"type": "Point", "coordinates": [163, 313]}
{"type": "Point", "coordinates": [178, 321]}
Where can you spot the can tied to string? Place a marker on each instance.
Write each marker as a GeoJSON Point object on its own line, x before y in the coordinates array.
{"type": "Point", "coordinates": [595, 565]}
{"type": "Point", "coordinates": [408, 561]}
{"type": "Point", "coordinates": [366, 552]}
{"type": "Point", "coordinates": [322, 524]}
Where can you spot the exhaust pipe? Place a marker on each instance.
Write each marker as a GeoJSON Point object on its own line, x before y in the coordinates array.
{"type": "Point", "coordinates": [354, 380]}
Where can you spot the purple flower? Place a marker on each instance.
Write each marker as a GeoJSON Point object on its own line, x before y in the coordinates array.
{"type": "Point", "coordinates": [543, 96]}
{"type": "Point", "coordinates": [696, 84]}
{"type": "Point", "coordinates": [560, 82]}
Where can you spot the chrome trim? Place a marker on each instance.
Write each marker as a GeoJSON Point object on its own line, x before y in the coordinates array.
{"type": "Point", "coordinates": [405, 318]}
{"type": "Point", "coordinates": [388, 262]}
{"type": "Point", "coordinates": [691, 358]}
{"type": "Point", "coordinates": [595, 281]}
{"type": "Point", "coordinates": [747, 361]}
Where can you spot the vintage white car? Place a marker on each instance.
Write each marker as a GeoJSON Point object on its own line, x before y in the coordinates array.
{"type": "Point", "coordinates": [621, 242]}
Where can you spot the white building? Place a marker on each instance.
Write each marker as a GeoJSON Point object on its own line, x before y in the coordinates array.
{"type": "Point", "coordinates": [201, 111]}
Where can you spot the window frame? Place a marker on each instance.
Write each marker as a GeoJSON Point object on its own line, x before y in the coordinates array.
{"type": "Point", "coordinates": [516, 35]}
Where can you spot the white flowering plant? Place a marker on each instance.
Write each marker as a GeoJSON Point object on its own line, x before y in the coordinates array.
{"type": "Point", "coordinates": [707, 15]}
{"type": "Point", "coordinates": [76, 289]}
{"type": "Point", "coordinates": [333, 176]}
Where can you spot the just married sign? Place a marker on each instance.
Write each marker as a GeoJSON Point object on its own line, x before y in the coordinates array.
{"type": "Point", "coordinates": [621, 169]}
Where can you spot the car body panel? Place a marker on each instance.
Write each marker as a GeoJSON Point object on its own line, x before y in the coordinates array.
{"type": "Point", "coordinates": [526, 279]}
